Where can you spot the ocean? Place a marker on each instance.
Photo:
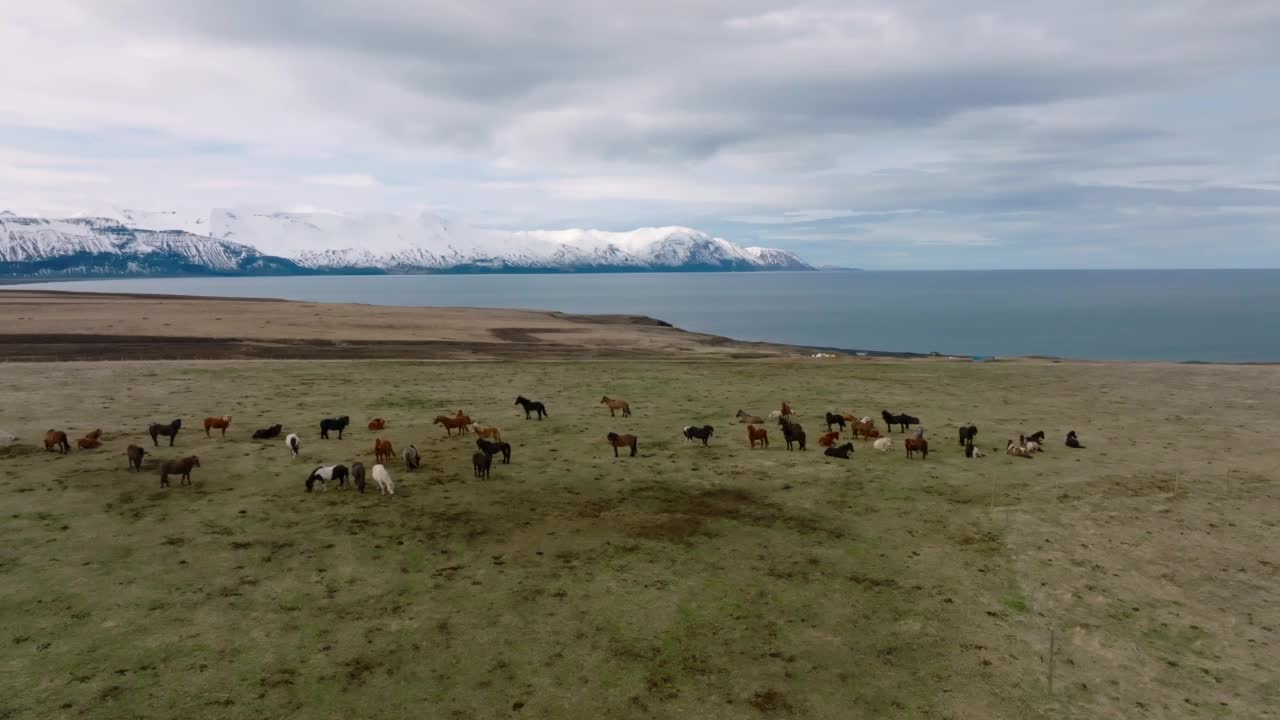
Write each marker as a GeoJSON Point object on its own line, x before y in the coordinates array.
{"type": "Point", "coordinates": [1174, 315]}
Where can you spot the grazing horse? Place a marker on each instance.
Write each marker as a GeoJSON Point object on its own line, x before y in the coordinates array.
{"type": "Point", "coordinates": [56, 439]}
{"type": "Point", "coordinates": [451, 423]}
{"type": "Point", "coordinates": [967, 434]}
{"type": "Point", "coordinates": [865, 427]}
{"type": "Point", "coordinates": [835, 419]}
{"type": "Point", "coordinates": [325, 473]}
{"type": "Point", "coordinates": [178, 467]}
{"type": "Point", "coordinates": [293, 443]}
{"type": "Point", "coordinates": [480, 464]}
{"type": "Point", "coordinates": [531, 406]}
{"type": "Point", "coordinates": [1016, 450]}
{"type": "Point", "coordinates": [412, 460]}
{"type": "Point", "coordinates": [792, 433]}
{"type": "Point", "coordinates": [1073, 441]}
{"type": "Point", "coordinates": [622, 405]}
{"type": "Point", "coordinates": [219, 423]}
{"type": "Point", "coordinates": [357, 475]}
{"type": "Point", "coordinates": [915, 445]}
{"type": "Point", "coordinates": [747, 419]}
{"type": "Point", "coordinates": [382, 450]}
{"type": "Point", "coordinates": [883, 444]}
{"type": "Point", "coordinates": [170, 431]}
{"type": "Point", "coordinates": [338, 424]}
{"type": "Point", "coordinates": [757, 435]}
{"type": "Point", "coordinates": [829, 439]}
{"type": "Point", "coordinates": [904, 421]}
{"type": "Point", "coordinates": [493, 448]}
{"type": "Point", "coordinates": [377, 424]}
{"type": "Point", "coordinates": [622, 441]}
{"type": "Point", "coordinates": [692, 432]}
{"type": "Point", "coordinates": [841, 452]}
{"type": "Point", "coordinates": [487, 431]}
{"type": "Point", "coordinates": [268, 433]}
{"type": "Point", "coordinates": [88, 443]}
{"type": "Point", "coordinates": [382, 478]}
{"type": "Point", "coordinates": [135, 453]}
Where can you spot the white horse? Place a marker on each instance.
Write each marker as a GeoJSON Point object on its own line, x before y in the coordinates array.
{"type": "Point", "coordinates": [293, 443]}
{"type": "Point", "coordinates": [884, 444]}
{"type": "Point", "coordinates": [383, 480]}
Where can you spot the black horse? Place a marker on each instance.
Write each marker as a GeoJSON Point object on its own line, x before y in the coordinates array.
{"type": "Point", "coordinates": [701, 433]}
{"type": "Point", "coordinates": [834, 419]}
{"type": "Point", "coordinates": [792, 433]}
{"type": "Point", "coordinates": [170, 431]}
{"type": "Point", "coordinates": [1037, 436]}
{"type": "Point", "coordinates": [903, 421]}
{"type": "Point", "coordinates": [531, 406]}
{"type": "Point", "coordinates": [338, 424]}
{"type": "Point", "coordinates": [1073, 441]}
{"type": "Point", "coordinates": [841, 452]}
{"type": "Point", "coordinates": [267, 433]}
{"type": "Point", "coordinates": [492, 448]}
{"type": "Point", "coordinates": [967, 434]}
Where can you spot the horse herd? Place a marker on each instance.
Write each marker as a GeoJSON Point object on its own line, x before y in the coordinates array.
{"type": "Point", "coordinates": [489, 442]}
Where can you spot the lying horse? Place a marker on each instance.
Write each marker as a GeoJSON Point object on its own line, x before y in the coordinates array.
{"type": "Point", "coordinates": [1016, 450]}
{"type": "Point", "coordinates": [88, 443]}
{"type": "Point", "coordinates": [56, 439]}
{"type": "Point", "coordinates": [324, 474]}
{"type": "Point", "coordinates": [338, 424]}
{"type": "Point", "coordinates": [883, 444]}
{"type": "Point", "coordinates": [757, 435]}
{"type": "Point", "coordinates": [170, 431]}
{"type": "Point", "coordinates": [135, 453]}
{"type": "Point", "coordinates": [452, 423]}
{"type": "Point", "coordinates": [412, 460]}
{"type": "Point", "coordinates": [382, 450]}
{"type": "Point", "coordinates": [268, 433]}
{"type": "Point", "coordinates": [915, 445]}
{"type": "Point", "coordinates": [493, 448]}
{"type": "Point", "coordinates": [972, 452]}
{"type": "Point", "coordinates": [703, 433]}
{"type": "Point", "coordinates": [612, 404]}
{"type": "Point", "coordinates": [865, 427]}
{"type": "Point", "coordinates": [967, 434]}
{"type": "Point", "coordinates": [219, 423]}
{"type": "Point", "coordinates": [95, 435]}
{"type": "Point", "coordinates": [622, 441]}
{"type": "Point", "coordinates": [792, 433]}
{"type": "Point", "coordinates": [178, 467]}
{"type": "Point", "coordinates": [531, 406]}
{"type": "Point", "coordinates": [1073, 441]}
{"type": "Point", "coordinates": [377, 424]}
{"type": "Point", "coordinates": [835, 419]}
{"type": "Point", "coordinates": [829, 439]}
{"type": "Point", "coordinates": [904, 421]}
{"type": "Point", "coordinates": [746, 419]}
{"type": "Point", "coordinates": [480, 464]}
{"type": "Point", "coordinates": [841, 452]}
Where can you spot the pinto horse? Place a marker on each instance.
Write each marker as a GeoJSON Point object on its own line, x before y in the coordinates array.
{"type": "Point", "coordinates": [622, 441]}
{"type": "Point", "coordinates": [622, 405]}
{"type": "Point", "coordinates": [757, 435]}
{"type": "Point", "coordinates": [170, 431]}
{"type": "Point", "coordinates": [865, 427]}
{"type": "Point", "coordinates": [915, 445]}
{"type": "Point", "coordinates": [452, 423]}
{"type": "Point", "coordinates": [56, 439]}
{"type": "Point", "coordinates": [218, 423]}
{"type": "Point", "coordinates": [692, 432]}
{"type": "Point", "coordinates": [531, 406]}
{"type": "Point", "coordinates": [835, 419]}
{"type": "Point", "coordinates": [382, 450]}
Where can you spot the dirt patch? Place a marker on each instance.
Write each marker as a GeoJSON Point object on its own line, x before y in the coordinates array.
{"type": "Point", "coordinates": [676, 529]}
{"type": "Point", "coordinates": [771, 703]}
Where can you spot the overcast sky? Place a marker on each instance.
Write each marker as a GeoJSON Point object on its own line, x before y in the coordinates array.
{"type": "Point", "coordinates": [901, 134]}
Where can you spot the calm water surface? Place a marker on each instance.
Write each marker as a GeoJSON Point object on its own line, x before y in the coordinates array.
{"type": "Point", "coordinates": [1209, 315]}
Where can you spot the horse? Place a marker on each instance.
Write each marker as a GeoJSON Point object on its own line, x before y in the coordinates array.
{"type": "Point", "coordinates": [864, 427]}
{"type": "Point", "coordinates": [325, 473]}
{"type": "Point", "coordinates": [829, 439]}
{"type": "Point", "coordinates": [480, 464]}
{"type": "Point", "coordinates": [1037, 437]}
{"type": "Point", "coordinates": [904, 421]}
{"type": "Point", "coordinates": [841, 452]}
{"type": "Point", "coordinates": [785, 410]}
{"type": "Point", "coordinates": [357, 475]}
{"type": "Point", "coordinates": [835, 419]}
{"type": "Point", "coordinates": [618, 441]}
{"type": "Point", "coordinates": [56, 439]}
{"type": "Point", "coordinates": [915, 445]}
{"type": "Point", "coordinates": [972, 452]}
{"type": "Point", "coordinates": [1033, 446]}
{"type": "Point", "coordinates": [967, 434]}
{"type": "Point", "coordinates": [135, 453]}
{"type": "Point", "coordinates": [1073, 441]}
{"type": "Point", "coordinates": [487, 431]}
{"type": "Point", "coordinates": [382, 478]}
{"type": "Point", "coordinates": [493, 448]}
{"type": "Point", "coordinates": [467, 421]}
{"type": "Point", "coordinates": [268, 433]}
{"type": "Point", "coordinates": [412, 460]}
{"type": "Point", "coordinates": [792, 433]}
{"type": "Point", "coordinates": [450, 423]}
{"type": "Point", "coordinates": [88, 443]}
{"type": "Point", "coordinates": [338, 424]}
{"type": "Point", "coordinates": [622, 405]}
{"type": "Point", "coordinates": [178, 467]}
{"type": "Point", "coordinates": [1016, 450]}
{"type": "Point", "coordinates": [377, 424]}
{"type": "Point", "coordinates": [757, 435]}
{"type": "Point", "coordinates": [531, 406]}
{"type": "Point", "coordinates": [219, 423]}
{"type": "Point", "coordinates": [883, 444]}
{"type": "Point", "coordinates": [918, 433]}
{"type": "Point", "coordinates": [95, 435]}
{"type": "Point", "coordinates": [170, 431]}
{"type": "Point", "coordinates": [293, 443]}
{"type": "Point", "coordinates": [703, 433]}
{"type": "Point", "coordinates": [746, 419]}
{"type": "Point", "coordinates": [382, 450]}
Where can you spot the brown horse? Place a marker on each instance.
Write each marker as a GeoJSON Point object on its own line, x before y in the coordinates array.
{"type": "Point", "coordinates": [382, 450]}
{"type": "Point", "coordinates": [915, 445]}
{"type": "Point", "coordinates": [452, 423]}
{"type": "Point", "coordinates": [487, 431]}
{"type": "Point", "coordinates": [56, 439]}
{"type": "Point", "coordinates": [377, 424]}
{"type": "Point", "coordinates": [95, 435]}
{"type": "Point", "coordinates": [864, 428]}
{"type": "Point", "coordinates": [622, 405]}
{"type": "Point", "coordinates": [135, 453]}
{"type": "Point", "coordinates": [178, 467]}
{"type": "Point", "coordinates": [785, 409]}
{"type": "Point", "coordinates": [757, 435]}
{"type": "Point", "coordinates": [480, 464]}
{"type": "Point", "coordinates": [621, 441]}
{"type": "Point", "coordinates": [829, 439]}
{"type": "Point", "coordinates": [217, 423]}
{"type": "Point", "coordinates": [463, 416]}
{"type": "Point", "coordinates": [747, 419]}
{"type": "Point", "coordinates": [88, 443]}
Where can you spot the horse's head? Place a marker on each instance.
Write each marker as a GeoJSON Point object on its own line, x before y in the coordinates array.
{"type": "Point", "coordinates": [177, 424]}
{"type": "Point", "coordinates": [613, 437]}
{"type": "Point", "coordinates": [195, 461]}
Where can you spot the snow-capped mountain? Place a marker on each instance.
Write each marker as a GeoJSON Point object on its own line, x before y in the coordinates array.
{"type": "Point", "coordinates": [236, 242]}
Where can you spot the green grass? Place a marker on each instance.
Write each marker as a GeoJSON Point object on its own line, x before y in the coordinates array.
{"type": "Point", "coordinates": [687, 582]}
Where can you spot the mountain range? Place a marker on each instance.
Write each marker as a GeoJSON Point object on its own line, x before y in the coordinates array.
{"type": "Point", "coordinates": [231, 242]}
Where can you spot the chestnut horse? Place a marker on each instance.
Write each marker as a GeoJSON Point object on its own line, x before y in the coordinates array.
{"type": "Point", "coordinates": [377, 424]}
{"type": "Point", "coordinates": [487, 431]}
{"type": "Point", "coordinates": [757, 435]}
{"type": "Point", "coordinates": [452, 423]}
{"type": "Point", "coordinates": [56, 439]}
{"type": "Point", "coordinates": [178, 467]}
{"type": "Point", "coordinates": [218, 423]}
{"type": "Point", "coordinates": [915, 445]}
{"type": "Point", "coordinates": [382, 450]}
{"type": "Point", "coordinates": [621, 441]}
{"type": "Point", "coordinates": [88, 443]}
{"type": "Point", "coordinates": [95, 435]}
{"type": "Point", "coordinates": [829, 439]}
{"type": "Point", "coordinates": [864, 427]}
{"type": "Point", "coordinates": [622, 405]}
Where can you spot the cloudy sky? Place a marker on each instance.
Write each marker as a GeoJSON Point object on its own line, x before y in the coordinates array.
{"type": "Point", "coordinates": [907, 134]}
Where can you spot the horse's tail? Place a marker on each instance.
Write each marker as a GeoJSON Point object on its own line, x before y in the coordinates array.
{"type": "Point", "coordinates": [635, 443]}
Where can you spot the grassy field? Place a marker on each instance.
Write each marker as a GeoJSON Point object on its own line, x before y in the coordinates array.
{"type": "Point", "coordinates": [685, 583]}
